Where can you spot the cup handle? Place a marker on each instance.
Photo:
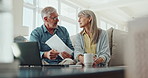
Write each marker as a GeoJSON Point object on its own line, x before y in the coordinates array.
{"type": "Point", "coordinates": [96, 56]}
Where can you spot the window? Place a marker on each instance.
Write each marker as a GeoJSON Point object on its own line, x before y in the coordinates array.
{"type": "Point", "coordinates": [67, 11]}
{"type": "Point", "coordinates": [28, 1]}
{"type": "Point", "coordinates": [39, 20]}
{"type": "Point", "coordinates": [27, 13]}
{"type": "Point", "coordinates": [104, 24]}
{"type": "Point", "coordinates": [68, 17]}
{"type": "Point", "coordinates": [45, 3]}
{"type": "Point", "coordinates": [109, 26]}
{"type": "Point", "coordinates": [71, 28]}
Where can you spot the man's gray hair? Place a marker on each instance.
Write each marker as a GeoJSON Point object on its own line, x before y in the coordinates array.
{"type": "Point", "coordinates": [47, 11]}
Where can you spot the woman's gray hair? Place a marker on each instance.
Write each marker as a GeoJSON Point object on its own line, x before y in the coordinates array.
{"type": "Point", "coordinates": [47, 11]}
{"type": "Point", "coordinates": [93, 24]}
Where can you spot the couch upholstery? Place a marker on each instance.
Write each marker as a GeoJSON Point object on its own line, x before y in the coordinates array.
{"type": "Point", "coordinates": [116, 42]}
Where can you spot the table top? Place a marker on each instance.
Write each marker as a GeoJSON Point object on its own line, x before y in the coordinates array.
{"type": "Point", "coordinates": [65, 72]}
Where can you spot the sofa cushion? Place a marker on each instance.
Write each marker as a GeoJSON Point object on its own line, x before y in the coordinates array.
{"type": "Point", "coordinates": [110, 32]}
{"type": "Point", "coordinates": [118, 44]}
{"type": "Point", "coordinates": [20, 39]}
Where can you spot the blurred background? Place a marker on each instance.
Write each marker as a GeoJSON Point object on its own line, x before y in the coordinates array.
{"type": "Point", "coordinates": [20, 17]}
{"type": "Point", "coordinates": [110, 13]}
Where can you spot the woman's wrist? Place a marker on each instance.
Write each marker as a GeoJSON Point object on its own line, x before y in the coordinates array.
{"type": "Point", "coordinates": [99, 60]}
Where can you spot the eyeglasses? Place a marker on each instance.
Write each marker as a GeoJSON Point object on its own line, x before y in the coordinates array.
{"type": "Point", "coordinates": [54, 18]}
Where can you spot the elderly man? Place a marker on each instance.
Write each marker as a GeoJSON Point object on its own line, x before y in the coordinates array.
{"type": "Point", "coordinates": [46, 31]}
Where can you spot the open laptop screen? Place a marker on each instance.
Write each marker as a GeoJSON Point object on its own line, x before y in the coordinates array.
{"type": "Point", "coordinates": [29, 53]}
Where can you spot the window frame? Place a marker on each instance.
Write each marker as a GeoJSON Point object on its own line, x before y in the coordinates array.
{"type": "Point", "coordinates": [36, 10]}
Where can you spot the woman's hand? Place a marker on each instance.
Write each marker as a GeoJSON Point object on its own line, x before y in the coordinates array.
{"type": "Point", "coordinates": [81, 59]}
{"type": "Point", "coordinates": [65, 55]}
{"type": "Point", "coordinates": [98, 61]}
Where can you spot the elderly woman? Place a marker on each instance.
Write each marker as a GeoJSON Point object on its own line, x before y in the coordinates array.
{"type": "Point", "coordinates": [91, 40]}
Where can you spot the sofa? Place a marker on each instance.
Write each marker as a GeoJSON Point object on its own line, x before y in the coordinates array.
{"type": "Point", "coordinates": [117, 41]}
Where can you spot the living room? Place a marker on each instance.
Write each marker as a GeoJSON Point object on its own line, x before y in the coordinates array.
{"type": "Point", "coordinates": [20, 17]}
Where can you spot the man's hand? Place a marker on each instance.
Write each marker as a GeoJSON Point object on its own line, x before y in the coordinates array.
{"type": "Point", "coordinates": [65, 55]}
{"type": "Point", "coordinates": [52, 54]}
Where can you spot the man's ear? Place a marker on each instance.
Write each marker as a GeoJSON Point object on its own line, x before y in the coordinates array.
{"type": "Point", "coordinates": [45, 18]}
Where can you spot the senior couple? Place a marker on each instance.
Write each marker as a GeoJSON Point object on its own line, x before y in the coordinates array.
{"type": "Point", "coordinates": [90, 40]}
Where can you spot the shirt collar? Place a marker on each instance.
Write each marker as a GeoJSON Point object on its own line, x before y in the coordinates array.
{"type": "Point", "coordinates": [45, 29]}
{"type": "Point", "coordinates": [84, 32]}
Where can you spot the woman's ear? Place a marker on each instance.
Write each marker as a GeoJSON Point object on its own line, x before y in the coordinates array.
{"type": "Point", "coordinates": [90, 19]}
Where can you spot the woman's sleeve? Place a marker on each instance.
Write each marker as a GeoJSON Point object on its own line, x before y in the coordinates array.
{"type": "Point", "coordinates": [104, 47]}
{"type": "Point", "coordinates": [78, 46]}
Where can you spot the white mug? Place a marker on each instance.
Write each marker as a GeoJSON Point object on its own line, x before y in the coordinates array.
{"type": "Point", "coordinates": [89, 59]}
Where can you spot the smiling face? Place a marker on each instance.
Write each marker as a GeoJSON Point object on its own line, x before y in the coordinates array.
{"type": "Point", "coordinates": [84, 21]}
{"type": "Point", "coordinates": [51, 20]}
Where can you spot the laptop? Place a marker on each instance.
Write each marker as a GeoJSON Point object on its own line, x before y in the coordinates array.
{"type": "Point", "coordinates": [29, 54]}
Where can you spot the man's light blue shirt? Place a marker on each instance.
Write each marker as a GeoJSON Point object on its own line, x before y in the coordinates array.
{"type": "Point", "coordinates": [41, 35]}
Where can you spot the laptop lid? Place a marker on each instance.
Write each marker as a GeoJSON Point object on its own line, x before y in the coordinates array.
{"type": "Point", "coordinates": [29, 53]}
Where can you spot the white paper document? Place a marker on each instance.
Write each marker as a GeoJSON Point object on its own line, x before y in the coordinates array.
{"type": "Point", "coordinates": [57, 44]}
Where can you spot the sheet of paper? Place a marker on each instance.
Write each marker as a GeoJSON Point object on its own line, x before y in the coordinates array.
{"type": "Point", "coordinates": [57, 44]}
